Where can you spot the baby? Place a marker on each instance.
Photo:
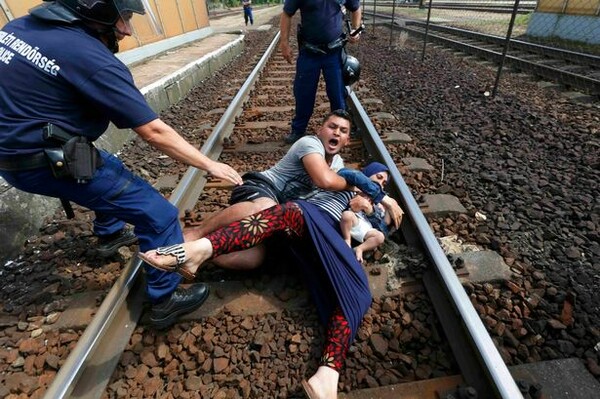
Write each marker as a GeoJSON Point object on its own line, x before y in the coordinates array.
{"type": "Point", "coordinates": [364, 222]}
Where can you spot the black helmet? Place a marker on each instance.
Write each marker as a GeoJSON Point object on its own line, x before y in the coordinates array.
{"type": "Point", "coordinates": [350, 69]}
{"type": "Point", "coordinates": [105, 12]}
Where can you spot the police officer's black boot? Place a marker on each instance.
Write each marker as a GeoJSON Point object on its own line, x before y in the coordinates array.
{"type": "Point", "coordinates": [110, 244]}
{"type": "Point", "coordinates": [293, 137]}
{"type": "Point", "coordinates": [181, 301]}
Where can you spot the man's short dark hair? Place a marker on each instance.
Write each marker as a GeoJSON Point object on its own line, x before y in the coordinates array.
{"type": "Point", "coordinates": [340, 113]}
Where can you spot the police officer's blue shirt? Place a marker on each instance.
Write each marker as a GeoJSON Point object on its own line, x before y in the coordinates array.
{"type": "Point", "coordinates": [64, 75]}
{"type": "Point", "coordinates": [321, 19]}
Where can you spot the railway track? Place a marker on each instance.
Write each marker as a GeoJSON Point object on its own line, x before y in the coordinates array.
{"type": "Point", "coordinates": [90, 365]}
{"type": "Point", "coordinates": [575, 71]}
{"type": "Point", "coordinates": [266, 344]}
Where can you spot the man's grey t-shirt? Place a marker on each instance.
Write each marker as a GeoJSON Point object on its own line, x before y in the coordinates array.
{"type": "Point", "coordinates": [289, 175]}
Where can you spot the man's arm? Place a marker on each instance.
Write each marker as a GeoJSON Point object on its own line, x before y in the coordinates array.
{"type": "Point", "coordinates": [356, 18]}
{"type": "Point", "coordinates": [356, 23]}
{"type": "Point", "coordinates": [322, 175]}
{"type": "Point", "coordinates": [369, 187]}
{"type": "Point", "coordinates": [285, 25]}
{"type": "Point", "coordinates": [165, 139]}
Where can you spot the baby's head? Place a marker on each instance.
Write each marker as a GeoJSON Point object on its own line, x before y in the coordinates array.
{"type": "Point", "coordinates": [377, 172]}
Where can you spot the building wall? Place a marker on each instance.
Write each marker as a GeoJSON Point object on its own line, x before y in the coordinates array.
{"type": "Point", "coordinates": [570, 7]}
{"type": "Point", "coordinates": [175, 17]}
{"type": "Point", "coordinates": [575, 20]}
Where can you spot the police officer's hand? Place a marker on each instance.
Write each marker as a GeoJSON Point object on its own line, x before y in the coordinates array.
{"type": "Point", "coordinates": [354, 37]}
{"type": "Point", "coordinates": [224, 172]}
{"type": "Point", "coordinates": [286, 51]}
{"type": "Point", "coordinates": [393, 209]}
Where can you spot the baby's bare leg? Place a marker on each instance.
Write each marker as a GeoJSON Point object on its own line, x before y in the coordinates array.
{"type": "Point", "coordinates": [373, 239]}
{"type": "Point", "coordinates": [348, 221]}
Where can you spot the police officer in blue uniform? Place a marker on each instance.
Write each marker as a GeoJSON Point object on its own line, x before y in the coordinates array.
{"type": "Point", "coordinates": [60, 86]}
{"type": "Point", "coordinates": [320, 49]}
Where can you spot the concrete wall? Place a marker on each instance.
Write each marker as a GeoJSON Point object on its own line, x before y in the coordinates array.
{"type": "Point", "coordinates": [580, 28]}
{"type": "Point", "coordinates": [570, 7]}
{"type": "Point", "coordinates": [174, 17]}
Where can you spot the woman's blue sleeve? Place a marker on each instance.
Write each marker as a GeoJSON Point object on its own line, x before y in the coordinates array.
{"type": "Point", "coordinates": [356, 178]}
{"type": "Point", "coordinates": [377, 219]}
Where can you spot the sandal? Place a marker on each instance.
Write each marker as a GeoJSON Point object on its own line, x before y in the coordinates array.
{"type": "Point", "coordinates": [176, 251]}
{"type": "Point", "coordinates": [308, 391]}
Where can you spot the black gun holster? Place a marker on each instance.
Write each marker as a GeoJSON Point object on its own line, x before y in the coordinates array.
{"type": "Point", "coordinates": [82, 158]}
{"type": "Point", "coordinates": [76, 157]}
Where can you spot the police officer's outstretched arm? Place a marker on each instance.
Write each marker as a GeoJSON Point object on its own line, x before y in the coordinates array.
{"type": "Point", "coordinates": [164, 138]}
{"type": "Point", "coordinates": [356, 23]}
{"type": "Point", "coordinates": [284, 39]}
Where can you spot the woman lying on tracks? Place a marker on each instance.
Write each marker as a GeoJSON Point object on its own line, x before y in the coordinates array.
{"type": "Point", "coordinates": [311, 163]}
{"type": "Point", "coordinates": [335, 278]}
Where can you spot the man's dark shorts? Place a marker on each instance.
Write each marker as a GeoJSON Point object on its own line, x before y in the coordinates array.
{"type": "Point", "coordinates": [255, 186]}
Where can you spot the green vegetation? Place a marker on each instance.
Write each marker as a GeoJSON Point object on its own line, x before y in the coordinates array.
{"type": "Point", "coordinates": [522, 19]}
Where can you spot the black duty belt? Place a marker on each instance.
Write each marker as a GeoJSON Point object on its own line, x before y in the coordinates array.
{"type": "Point", "coordinates": [23, 162]}
{"type": "Point", "coordinates": [324, 48]}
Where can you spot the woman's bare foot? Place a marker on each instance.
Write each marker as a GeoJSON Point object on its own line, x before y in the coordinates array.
{"type": "Point", "coordinates": [196, 253]}
{"type": "Point", "coordinates": [324, 383]}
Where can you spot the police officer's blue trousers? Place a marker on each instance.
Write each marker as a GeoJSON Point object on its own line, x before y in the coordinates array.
{"type": "Point", "coordinates": [116, 196]}
{"type": "Point", "coordinates": [308, 71]}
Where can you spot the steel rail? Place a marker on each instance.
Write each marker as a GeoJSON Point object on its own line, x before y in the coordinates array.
{"type": "Point", "coordinates": [577, 81]}
{"type": "Point", "coordinates": [567, 55]}
{"type": "Point", "coordinates": [84, 373]}
{"type": "Point", "coordinates": [86, 359]}
{"type": "Point", "coordinates": [570, 56]}
{"type": "Point", "coordinates": [580, 82]}
{"type": "Point", "coordinates": [183, 195]}
{"type": "Point", "coordinates": [70, 372]}
{"type": "Point", "coordinates": [499, 382]}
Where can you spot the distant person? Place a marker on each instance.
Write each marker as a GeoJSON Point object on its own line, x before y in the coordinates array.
{"type": "Point", "coordinates": [247, 4]}
{"type": "Point", "coordinates": [60, 87]}
{"type": "Point", "coordinates": [365, 222]}
{"type": "Point", "coordinates": [320, 47]}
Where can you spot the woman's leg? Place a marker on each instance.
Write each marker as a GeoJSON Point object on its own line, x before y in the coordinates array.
{"type": "Point", "coordinates": [243, 234]}
{"type": "Point", "coordinates": [324, 382]}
